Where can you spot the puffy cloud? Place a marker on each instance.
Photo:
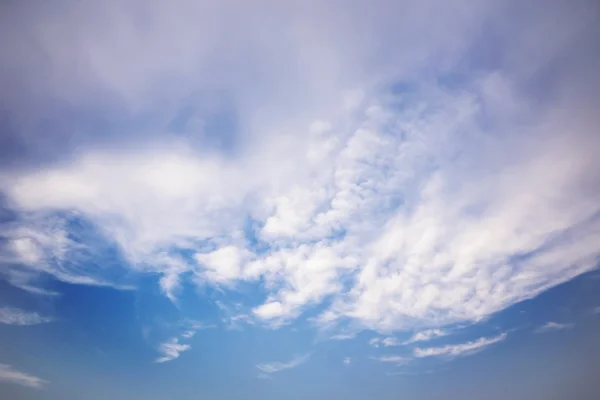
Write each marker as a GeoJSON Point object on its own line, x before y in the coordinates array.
{"type": "Point", "coordinates": [458, 349]}
{"type": "Point", "coordinates": [428, 241]}
{"type": "Point", "coordinates": [16, 316]}
{"type": "Point", "coordinates": [392, 199]}
{"type": "Point", "coordinates": [9, 374]}
{"type": "Point", "coordinates": [223, 264]}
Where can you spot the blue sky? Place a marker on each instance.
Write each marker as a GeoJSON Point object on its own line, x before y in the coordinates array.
{"type": "Point", "coordinates": [388, 199]}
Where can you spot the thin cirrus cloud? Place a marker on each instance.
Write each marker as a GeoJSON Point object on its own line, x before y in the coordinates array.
{"type": "Point", "coordinates": [448, 351]}
{"type": "Point", "coordinates": [9, 374]}
{"type": "Point", "coordinates": [16, 316]}
{"type": "Point", "coordinates": [386, 342]}
{"type": "Point", "coordinates": [459, 349]}
{"type": "Point", "coordinates": [551, 326]}
{"type": "Point", "coordinates": [171, 350]}
{"type": "Point", "coordinates": [401, 201]}
{"type": "Point", "coordinates": [422, 336]}
{"type": "Point", "coordinates": [426, 335]}
{"type": "Point", "coordinates": [273, 367]}
{"type": "Point", "coordinates": [399, 360]}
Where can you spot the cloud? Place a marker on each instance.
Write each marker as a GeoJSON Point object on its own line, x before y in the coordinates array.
{"type": "Point", "coordinates": [16, 316]}
{"type": "Point", "coordinates": [387, 341]}
{"type": "Point", "coordinates": [390, 341]}
{"type": "Point", "coordinates": [347, 361]}
{"type": "Point", "coordinates": [343, 336]}
{"type": "Point", "coordinates": [188, 334]}
{"type": "Point", "coordinates": [193, 327]}
{"type": "Point", "coordinates": [171, 350]}
{"type": "Point", "coordinates": [553, 326]}
{"type": "Point", "coordinates": [318, 162]}
{"type": "Point", "coordinates": [9, 374]}
{"type": "Point", "coordinates": [273, 367]}
{"type": "Point", "coordinates": [426, 335]}
{"type": "Point", "coordinates": [411, 373]}
{"type": "Point", "coordinates": [458, 349]}
{"type": "Point", "coordinates": [399, 360]}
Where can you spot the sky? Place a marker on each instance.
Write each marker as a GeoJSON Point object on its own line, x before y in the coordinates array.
{"type": "Point", "coordinates": [299, 199]}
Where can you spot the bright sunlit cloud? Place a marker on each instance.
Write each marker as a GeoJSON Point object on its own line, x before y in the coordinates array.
{"type": "Point", "coordinates": [368, 172]}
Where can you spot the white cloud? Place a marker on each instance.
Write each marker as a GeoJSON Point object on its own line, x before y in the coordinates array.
{"type": "Point", "coordinates": [193, 327]}
{"type": "Point", "coordinates": [596, 310]}
{"type": "Point", "coordinates": [347, 361]}
{"type": "Point", "coordinates": [399, 360]}
{"type": "Point", "coordinates": [171, 350]}
{"type": "Point", "coordinates": [426, 335]}
{"type": "Point", "coordinates": [387, 342]}
{"type": "Point", "coordinates": [223, 264]}
{"type": "Point", "coordinates": [273, 367]}
{"type": "Point", "coordinates": [188, 334]}
{"type": "Point", "coordinates": [553, 326]}
{"type": "Point", "coordinates": [390, 341]}
{"type": "Point", "coordinates": [401, 209]}
{"type": "Point", "coordinates": [343, 336]}
{"type": "Point", "coordinates": [9, 374]}
{"type": "Point", "coordinates": [424, 248]}
{"type": "Point", "coordinates": [458, 349]}
{"type": "Point", "coordinates": [16, 316]}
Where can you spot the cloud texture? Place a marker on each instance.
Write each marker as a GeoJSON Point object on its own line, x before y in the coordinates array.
{"type": "Point", "coordinates": [325, 170]}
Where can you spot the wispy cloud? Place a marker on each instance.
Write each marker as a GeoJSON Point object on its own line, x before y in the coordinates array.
{"type": "Point", "coordinates": [194, 326]}
{"type": "Point", "coordinates": [273, 367]}
{"type": "Point", "coordinates": [411, 373]}
{"type": "Point", "coordinates": [188, 334]}
{"type": "Point", "coordinates": [426, 335]}
{"type": "Point", "coordinates": [9, 374]}
{"type": "Point", "coordinates": [171, 350]}
{"type": "Point", "coordinates": [386, 342]}
{"type": "Point", "coordinates": [343, 336]}
{"type": "Point", "coordinates": [390, 341]}
{"type": "Point", "coordinates": [459, 349]}
{"type": "Point", "coordinates": [16, 316]}
{"type": "Point", "coordinates": [347, 361]}
{"type": "Point", "coordinates": [596, 310]}
{"type": "Point", "coordinates": [554, 326]}
{"type": "Point", "coordinates": [400, 360]}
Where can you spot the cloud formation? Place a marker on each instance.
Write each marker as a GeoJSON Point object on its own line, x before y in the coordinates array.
{"type": "Point", "coordinates": [399, 360]}
{"type": "Point", "coordinates": [273, 367]}
{"type": "Point", "coordinates": [554, 326]}
{"type": "Point", "coordinates": [458, 349]}
{"type": "Point", "coordinates": [426, 335]}
{"type": "Point", "coordinates": [9, 374]}
{"type": "Point", "coordinates": [16, 316]}
{"type": "Point", "coordinates": [336, 168]}
{"type": "Point", "coordinates": [171, 350]}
